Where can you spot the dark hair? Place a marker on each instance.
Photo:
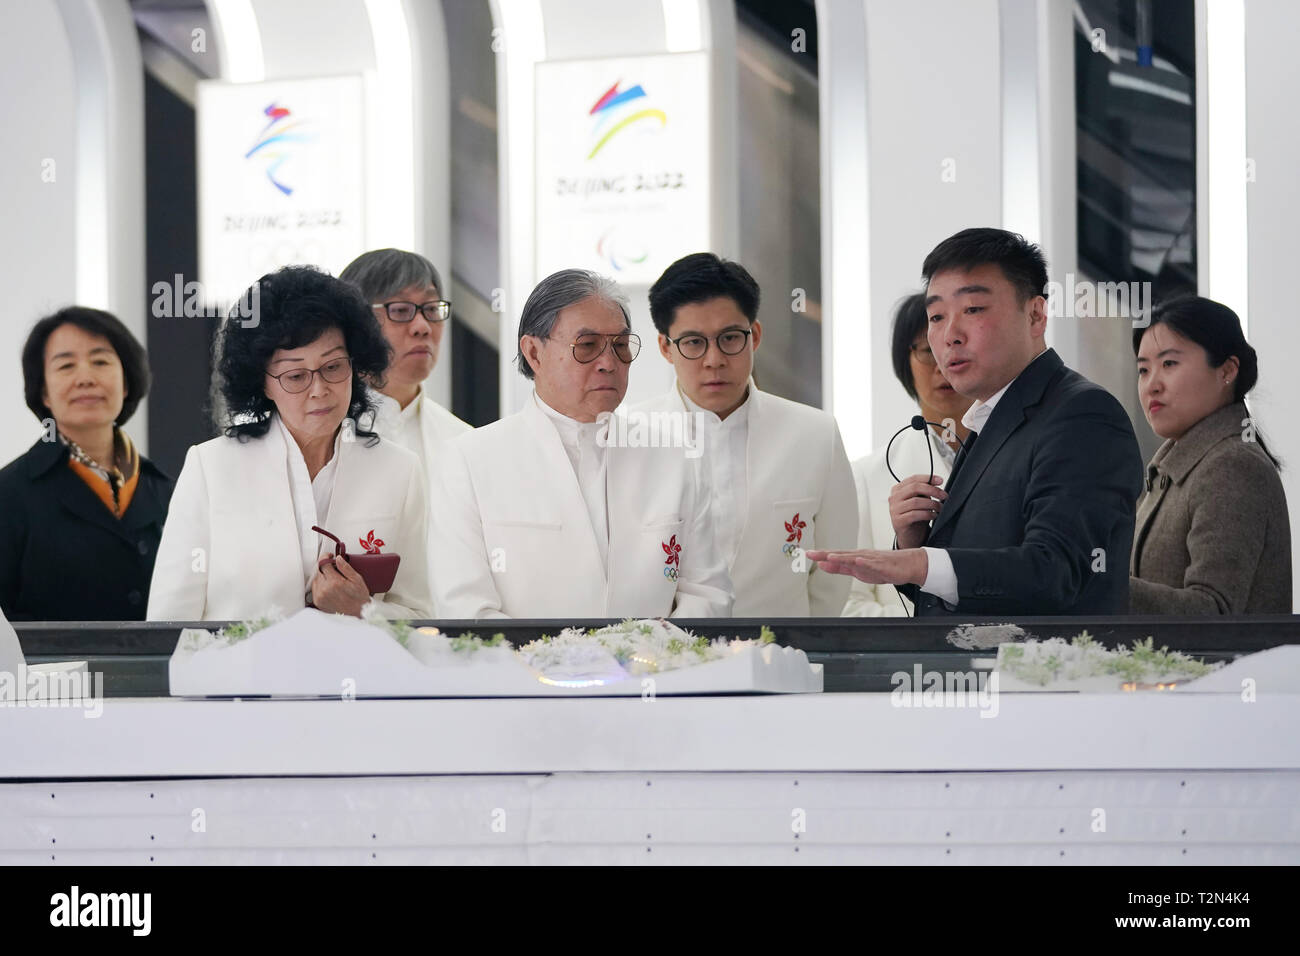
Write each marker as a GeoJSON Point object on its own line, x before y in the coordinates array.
{"type": "Point", "coordinates": [384, 272]}
{"type": "Point", "coordinates": [700, 277]}
{"type": "Point", "coordinates": [135, 364]}
{"type": "Point", "coordinates": [909, 322]}
{"type": "Point", "coordinates": [292, 307]}
{"type": "Point", "coordinates": [1021, 261]}
{"type": "Point", "coordinates": [1217, 329]}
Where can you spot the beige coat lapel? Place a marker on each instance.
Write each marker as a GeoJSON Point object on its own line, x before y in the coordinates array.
{"type": "Point", "coordinates": [1157, 486]}
{"type": "Point", "coordinates": [1174, 461]}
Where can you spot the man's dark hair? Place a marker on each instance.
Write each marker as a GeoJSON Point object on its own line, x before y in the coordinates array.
{"type": "Point", "coordinates": [697, 278]}
{"type": "Point", "coordinates": [1021, 261]}
{"type": "Point", "coordinates": [135, 364]}
{"type": "Point", "coordinates": [909, 322]}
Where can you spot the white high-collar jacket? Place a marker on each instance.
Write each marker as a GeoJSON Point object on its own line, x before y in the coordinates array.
{"type": "Point", "coordinates": [437, 426]}
{"type": "Point", "coordinates": [511, 536]}
{"type": "Point", "coordinates": [795, 465]}
{"type": "Point", "coordinates": [230, 549]}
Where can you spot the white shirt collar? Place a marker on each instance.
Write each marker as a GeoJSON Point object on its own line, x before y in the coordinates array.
{"type": "Point", "coordinates": [388, 408]}
{"type": "Point", "coordinates": [311, 497]}
{"type": "Point", "coordinates": [588, 457]}
{"type": "Point", "coordinates": [737, 419]}
{"type": "Point", "coordinates": [295, 453]}
{"type": "Point", "coordinates": [978, 414]}
{"type": "Point", "coordinates": [570, 429]}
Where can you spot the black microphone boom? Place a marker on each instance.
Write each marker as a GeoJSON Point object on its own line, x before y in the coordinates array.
{"type": "Point", "coordinates": [918, 422]}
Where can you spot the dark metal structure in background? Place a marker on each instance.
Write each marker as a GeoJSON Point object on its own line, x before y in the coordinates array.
{"type": "Point", "coordinates": [1135, 105]}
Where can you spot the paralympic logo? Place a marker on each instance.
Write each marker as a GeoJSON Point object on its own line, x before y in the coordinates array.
{"type": "Point", "coordinates": [619, 250]}
{"type": "Point", "coordinates": [618, 109]}
{"type": "Point", "coordinates": [273, 141]}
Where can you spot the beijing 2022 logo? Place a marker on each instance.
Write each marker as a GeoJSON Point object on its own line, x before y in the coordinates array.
{"type": "Point", "coordinates": [618, 109]}
{"type": "Point", "coordinates": [614, 112]}
{"type": "Point", "coordinates": [275, 143]}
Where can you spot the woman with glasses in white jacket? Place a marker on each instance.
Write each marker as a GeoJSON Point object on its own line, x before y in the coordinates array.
{"type": "Point", "coordinates": [239, 539]}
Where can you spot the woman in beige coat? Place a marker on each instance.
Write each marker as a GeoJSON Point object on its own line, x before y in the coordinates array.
{"type": "Point", "coordinates": [1212, 535]}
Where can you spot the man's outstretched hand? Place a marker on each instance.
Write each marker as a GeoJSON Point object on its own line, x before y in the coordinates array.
{"type": "Point", "coordinates": [909, 566]}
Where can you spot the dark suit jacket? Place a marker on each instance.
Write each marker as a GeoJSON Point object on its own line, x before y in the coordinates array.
{"type": "Point", "coordinates": [1053, 477]}
{"type": "Point", "coordinates": [63, 555]}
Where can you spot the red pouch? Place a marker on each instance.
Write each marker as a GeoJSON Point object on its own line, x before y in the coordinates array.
{"type": "Point", "coordinates": [377, 570]}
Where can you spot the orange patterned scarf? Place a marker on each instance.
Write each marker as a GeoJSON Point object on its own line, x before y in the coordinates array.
{"type": "Point", "coordinates": [114, 487]}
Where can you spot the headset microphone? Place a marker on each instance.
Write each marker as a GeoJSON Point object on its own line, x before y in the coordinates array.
{"type": "Point", "coordinates": [918, 422]}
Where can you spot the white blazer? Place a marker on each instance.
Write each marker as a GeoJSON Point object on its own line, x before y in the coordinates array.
{"type": "Point", "coordinates": [875, 530]}
{"type": "Point", "coordinates": [510, 534]}
{"type": "Point", "coordinates": [795, 464]}
{"type": "Point", "coordinates": [230, 548]}
{"type": "Point", "coordinates": [437, 427]}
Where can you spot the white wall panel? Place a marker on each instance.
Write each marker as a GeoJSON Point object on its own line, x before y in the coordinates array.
{"type": "Point", "coordinates": [1002, 818]}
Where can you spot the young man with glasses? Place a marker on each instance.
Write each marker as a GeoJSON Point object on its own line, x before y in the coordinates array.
{"type": "Point", "coordinates": [779, 479]}
{"type": "Point", "coordinates": [407, 298]}
{"type": "Point", "coordinates": [539, 515]}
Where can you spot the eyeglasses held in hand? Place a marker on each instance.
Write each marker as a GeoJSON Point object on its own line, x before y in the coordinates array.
{"type": "Point", "coordinates": [403, 312]}
{"type": "Point", "coordinates": [730, 342]}
{"type": "Point", "coordinates": [591, 346]}
{"type": "Point", "coordinates": [299, 379]}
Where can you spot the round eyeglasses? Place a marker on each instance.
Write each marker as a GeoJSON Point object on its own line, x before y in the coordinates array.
{"type": "Point", "coordinates": [299, 379]}
{"type": "Point", "coordinates": [591, 346]}
{"type": "Point", "coordinates": [692, 345]}
{"type": "Point", "coordinates": [402, 312]}
{"type": "Point", "coordinates": [924, 355]}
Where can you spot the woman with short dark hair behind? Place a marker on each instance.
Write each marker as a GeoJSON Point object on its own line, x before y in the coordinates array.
{"type": "Point", "coordinates": [922, 378]}
{"type": "Point", "coordinates": [1213, 535]}
{"type": "Point", "coordinates": [83, 509]}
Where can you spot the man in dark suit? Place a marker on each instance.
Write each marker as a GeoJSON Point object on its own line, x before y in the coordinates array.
{"type": "Point", "coordinates": [1037, 515]}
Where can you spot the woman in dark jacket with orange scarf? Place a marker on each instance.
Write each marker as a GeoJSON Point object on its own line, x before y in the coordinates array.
{"type": "Point", "coordinates": [82, 511]}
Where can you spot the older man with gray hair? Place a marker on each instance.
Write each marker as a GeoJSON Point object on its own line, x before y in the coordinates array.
{"type": "Point", "coordinates": [539, 515]}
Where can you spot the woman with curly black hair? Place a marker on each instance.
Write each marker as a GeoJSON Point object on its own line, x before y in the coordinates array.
{"type": "Point", "coordinates": [239, 541]}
